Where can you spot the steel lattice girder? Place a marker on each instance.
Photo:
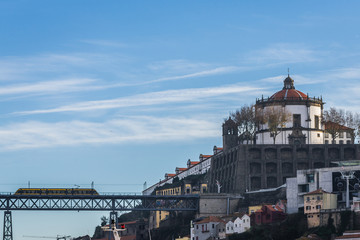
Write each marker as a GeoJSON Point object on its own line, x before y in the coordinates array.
{"type": "Point", "coordinates": [100, 203]}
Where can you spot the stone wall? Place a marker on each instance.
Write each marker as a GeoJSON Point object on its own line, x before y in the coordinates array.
{"type": "Point", "coordinates": [252, 167]}
{"type": "Point", "coordinates": [217, 204]}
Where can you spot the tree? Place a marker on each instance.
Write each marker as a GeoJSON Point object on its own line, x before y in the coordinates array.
{"type": "Point", "coordinates": [99, 233]}
{"type": "Point", "coordinates": [275, 117]}
{"type": "Point", "coordinates": [245, 119]}
{"type": "Point", "coordinates": [335, 120]}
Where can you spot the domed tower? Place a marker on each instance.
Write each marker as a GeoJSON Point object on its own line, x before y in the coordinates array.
{"type": "Point", "coordinates": [304, 125]}
{"type": "Point", "coordinates": [230, 134]}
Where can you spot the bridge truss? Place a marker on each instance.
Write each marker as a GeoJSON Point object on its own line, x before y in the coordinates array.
{"type": "Point", "coordinates": [112, 203]}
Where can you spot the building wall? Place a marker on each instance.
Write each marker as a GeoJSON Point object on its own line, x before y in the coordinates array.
{"type": "Point", "coordinates": [252, 167]}
{"type": "Point", "coordinates": [298, 186]}
{"type": "Point", "coordinates": [217, 205]}
{"type": "Point", "coordinates": [313, 135]}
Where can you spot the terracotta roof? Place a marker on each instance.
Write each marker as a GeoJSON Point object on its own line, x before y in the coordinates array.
{"type": "Point", "coordinates": [181, 169]}
{"type": "Point", "coordinates": [206, 156]}
{"type": "Point", "coordinates": [170, 174]}
{"type": "Point", "coordinates": [318, 191]}
{"type": "Point", "coordinates": [274, 208]}
{"type": "Point", "coordinates": [131, 237]}
{"type": "Point", "coordinates": [332, 125]}
{"type": "Point", "coordinates": [290, 94]}
{"type": "Point", "coordinates": [210, 219]}
{"type": "Point", "coordinates": [127, 223]}
{"type": "Point", "coordinates": [194, 163]}
{"type": "Point", "coordinates": [349, 236]}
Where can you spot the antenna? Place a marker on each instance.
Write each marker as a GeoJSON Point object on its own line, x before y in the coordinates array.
{"type": "Point", "coordinates": [347, 175]}
{"type": "Point", "coordinates": [288, 72]}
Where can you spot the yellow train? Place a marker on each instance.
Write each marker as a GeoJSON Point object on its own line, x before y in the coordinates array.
{"type": "Point", "coordinates": [56, 191]}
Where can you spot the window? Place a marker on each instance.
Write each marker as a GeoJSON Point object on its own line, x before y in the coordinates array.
{"type": "Point", "coordinates": [213, 225]}
{"type": "Point", "coordinates": [318, 198]}
{"type": "Point", "coordinates": [348, 135]}
{"type": "Point", "coordinates": [318, 134]}
{"type": "Point", "coordinates": [304, 188]}
{"type": "Point", "coordinates": [307, 198]}
{"type": "Point", "coordinates": [348, 142]}
{"type": "Point", "coordinates": [310, 178]}
{"type": "Point", "coordinates": [326, 141]}
{"type": "Point", "coordinates": [326, 135]}
{"type": "Point", "coordinates": [341, 134]}
{"type": "Point", "coordinates": [317, 122]}
{"type": "Point", "coordinates": [318, 206]}
{"type": "Point", "coordinates": [296, 120]}
{"type": "Point", "coordinates": [341, 142]}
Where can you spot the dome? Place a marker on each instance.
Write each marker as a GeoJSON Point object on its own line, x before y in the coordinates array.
{"type": "Point", "coordinates": [289, 92]}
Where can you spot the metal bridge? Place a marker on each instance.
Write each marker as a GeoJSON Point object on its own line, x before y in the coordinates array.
{"type": "Point", "coordinates": [112, 203]}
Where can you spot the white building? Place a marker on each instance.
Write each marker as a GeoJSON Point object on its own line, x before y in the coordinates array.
{"type": "Point", "coordinates": [210, 227]}
{"type": "Point", "coordinates": [305, 126]}
{"type": "Point", "coordinates": [328, 179]}
{"type": "Point", "coordinates": [193, 168]}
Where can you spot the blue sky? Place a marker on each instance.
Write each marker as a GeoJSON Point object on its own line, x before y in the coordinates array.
{"type": "Point", "coordinates": [122, 92]}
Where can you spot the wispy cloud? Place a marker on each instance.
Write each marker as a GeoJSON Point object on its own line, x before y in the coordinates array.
{"type": "Point", "coordinates": [104, 43]}
{"type": "Point", "coordinates": [283, 53]}
{"type": "Point", "coordinates": [67, 85]}
{"type": "Point", "coordinates": [215, 71]}
{"type": "Point", "coordinates": [153, 98]}
{"type": "Point", "coordinates": [135, 129]}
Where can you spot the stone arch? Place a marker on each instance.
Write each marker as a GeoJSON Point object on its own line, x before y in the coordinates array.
{"type": "Point", "coordinates": [302, 165]}
{"type": "Point", "coordinates": [334, 153]}
{"type": "Point", "coordinates": [271, 182]}
{"type": "Point", "coordinates": [255, 183]}
{"type": "Point", "coordinates": [271, 168]}
{"type": "Point", "coordinates": [255, 168]}
{"type": "Point", "coordinates": [254, 153]}
{"type": "Point", "coordinates": [270, 153]}
{"type": "Point", "coordinates": [287, 167]}
{"type": "Point", "coordinates": [349, 153]}
{"type": "Point", "coordinates": [286, 153]}
{"type": "Point", "coordinates": [319, 164]}
{"type": "Point", "coordinates": [318, 153]}
{"type": "Point", "coordinates": [301, 153]}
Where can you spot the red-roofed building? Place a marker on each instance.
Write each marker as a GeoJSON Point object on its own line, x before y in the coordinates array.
{"type": "Point", "coordinates": [304, 125]}
{"type": "Point", "coordinates": [315, 201]}
{"type": "Point", "coordinates": [268, 214]}
{"type": "Point", "coordinates": [338, 134]}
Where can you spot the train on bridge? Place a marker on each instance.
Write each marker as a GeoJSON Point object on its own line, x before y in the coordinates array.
{"type": "Point", "coordinates": [56, 191]}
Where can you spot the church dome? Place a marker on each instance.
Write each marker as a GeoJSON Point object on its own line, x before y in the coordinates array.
{"type": "Point", "coordinates": [289, 92]}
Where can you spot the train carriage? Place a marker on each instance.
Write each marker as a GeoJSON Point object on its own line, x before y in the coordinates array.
{"type": "Point", "coordinates": [56, 191]}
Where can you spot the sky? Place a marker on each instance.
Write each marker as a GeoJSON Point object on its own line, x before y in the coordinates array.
{"type": "Point", "coordinates": [121, 92]}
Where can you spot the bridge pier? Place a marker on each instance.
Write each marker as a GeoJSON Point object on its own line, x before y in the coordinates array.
{"type": "Point", "coordinates": [113, 219]}
{"type": "Point", "coordinates": [7, 231]}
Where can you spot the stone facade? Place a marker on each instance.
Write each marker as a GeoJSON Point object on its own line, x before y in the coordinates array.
{"type": "Point", "coordinates": [251, 167]}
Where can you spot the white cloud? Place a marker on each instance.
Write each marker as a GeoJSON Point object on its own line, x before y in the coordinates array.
{"type": "Point", "coordinates": [104, 43]}
{"type": "Point", "coordinates": [215, 71]}
{"type": "Point", "coordinates": [67, 85]}
{"type": "Point", "coordinates": [153, 98]}
{"type": "Point", "coordinates": [134, 129]}
{"type": "Point", "coordinates": [283, 53]}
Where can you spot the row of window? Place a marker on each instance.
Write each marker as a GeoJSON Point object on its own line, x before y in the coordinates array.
{"type": "Point", "coordinates": [341, 135]}
{"type": "Point", "coordinates": [340, 141]}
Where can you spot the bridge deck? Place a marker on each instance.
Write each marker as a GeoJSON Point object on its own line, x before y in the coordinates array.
{"type": "Point", "coordinates": [99, 202]}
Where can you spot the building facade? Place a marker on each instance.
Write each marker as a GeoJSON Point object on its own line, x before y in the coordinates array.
{"type": "Point", "coordinates": [252, 167]}
{"type": "Point", "coordinates": [314, 202]}
{"type": "Point", "coordinates": [328, 179]}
